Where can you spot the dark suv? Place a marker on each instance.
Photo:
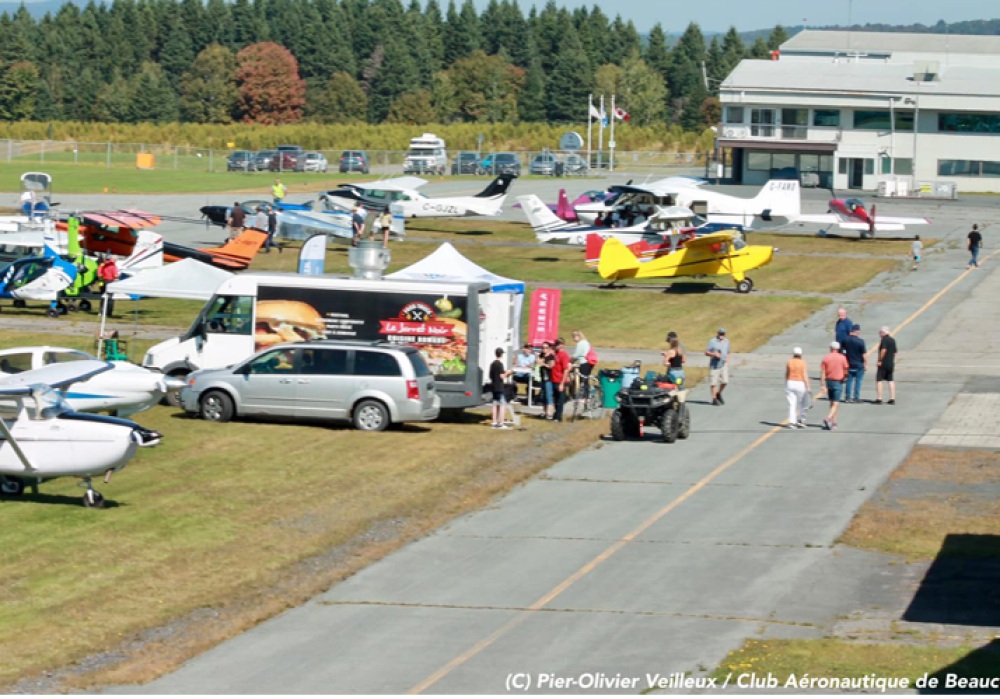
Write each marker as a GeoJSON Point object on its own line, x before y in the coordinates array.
{"type": "Point", "coordinates": [466, 163]}
{"type": "Point", "coordinates": [505, 164]}
{"type": "Point", "coordinates": [240, 160]}
{"type": "Point", "coordinates": [354, 161]}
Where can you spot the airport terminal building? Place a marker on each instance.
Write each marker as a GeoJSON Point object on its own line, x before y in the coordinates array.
{"type": "Point", "coordinates": [864, 110]}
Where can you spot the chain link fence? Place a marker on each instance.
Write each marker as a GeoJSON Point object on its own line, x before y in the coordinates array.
{"type": "Point", "coordinates": [36, 154]}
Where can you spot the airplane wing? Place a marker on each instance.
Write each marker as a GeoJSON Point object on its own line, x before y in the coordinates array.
{"type": "Point", "coordinates": [826, 219]}
{"type": "Point", "coordinates": [705, 241]}
{"type": "Point", "coordinates": [901, 221]}
{"type": "Point", "coordinates": [54, 375]}
{"type": "Point", "coordinates": [660, 188]}
{"type": "Point", "coordinates": [879, 226]}
{"type": "Point", "coordinates": [395, 184]}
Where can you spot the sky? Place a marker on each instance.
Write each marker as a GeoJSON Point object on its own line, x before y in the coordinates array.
{"type": "Point", "coordinates": [718, 15]}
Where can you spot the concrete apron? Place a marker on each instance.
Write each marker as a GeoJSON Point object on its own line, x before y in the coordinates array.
{"type": "Point", "coordinates": [637, 557]}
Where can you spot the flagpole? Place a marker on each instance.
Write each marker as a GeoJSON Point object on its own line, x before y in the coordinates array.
{"type": "Point", "coordinates": [590, 124]}
{"type": "Point", "coordinates": [600, 136]}
{"type": "Point", "coordinates": [611, 143]}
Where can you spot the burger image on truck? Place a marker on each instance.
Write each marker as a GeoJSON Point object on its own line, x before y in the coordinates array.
{"type": "Point", "coordinates": [456, 327]}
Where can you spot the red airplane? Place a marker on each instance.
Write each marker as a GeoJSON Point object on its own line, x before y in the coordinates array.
{"type": "Point", "coordinates": [851, 214]}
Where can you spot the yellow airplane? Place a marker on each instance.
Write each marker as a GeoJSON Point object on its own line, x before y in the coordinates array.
{"type": "Point", "coordinates": [709, 255]}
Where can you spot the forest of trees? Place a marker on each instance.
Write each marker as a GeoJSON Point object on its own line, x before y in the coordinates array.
{"type": "Point", "coordinates": [340, 61]}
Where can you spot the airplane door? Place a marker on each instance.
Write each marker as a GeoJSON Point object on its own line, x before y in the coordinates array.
{"type": "Point", "coordinates": [857, 176]}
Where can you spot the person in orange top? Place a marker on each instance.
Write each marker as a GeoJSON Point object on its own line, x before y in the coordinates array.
{"type": "Point", "coordinates": [797, 387]}
{"type": "Point", "coordinates": [832, 372]}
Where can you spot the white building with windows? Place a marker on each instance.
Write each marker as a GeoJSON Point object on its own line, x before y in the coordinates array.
{"type": "Point", "coordinates": [853, 109]}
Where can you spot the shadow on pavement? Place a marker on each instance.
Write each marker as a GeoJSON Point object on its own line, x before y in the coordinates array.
{"type": "Point", "coordinates": [982, 663]}
{"type": "Point", "coordinates": [962, 586]}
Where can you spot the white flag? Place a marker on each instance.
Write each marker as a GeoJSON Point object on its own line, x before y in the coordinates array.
{"type": "Point", "coordinates": [594, 112]}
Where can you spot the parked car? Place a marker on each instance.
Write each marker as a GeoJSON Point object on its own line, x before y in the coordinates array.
{"type": "Point", "coordinates": [293, 150]}
{"type": "Point", "coordinates": [312, 162]}
{"type": "Point", "coordinates": [546, 164]}
{"type": "Point", "coordinates": [466, 163]}
{"type": "Point", "coordinates": [371, 384]}
{"type": "Point", "coordinates": [241, 161]}
{"type": "Point", "coordinates": [354, 161]}
{"type": "Point", "coordinates": [575, 165]}
{"type": "Point", "coordinates": [503, 164]}
{"type": "Point", "coordinates": [284, 162]}
{"type": "Point", "coordinates": [263, 159]}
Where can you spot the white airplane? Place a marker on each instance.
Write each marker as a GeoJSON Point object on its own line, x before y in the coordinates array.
{"type": "Point", "coordinates": [663, 221]}
{"type": "Point", "coordinates": [49, 440]}
{"type": "Point", "coordinates": [147, 252]}
{"type": "Point", "coordinates": [778, 200]}
{"type": "Point", "coordinates": [403, 191]}
{"type": "Point", "coordinates": [126, 390]}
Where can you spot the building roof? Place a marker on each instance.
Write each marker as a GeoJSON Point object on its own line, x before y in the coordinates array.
{"type": "Point", "coordinates": [859, 77]}
{"type": "Point", "coordinates": [824, 41]}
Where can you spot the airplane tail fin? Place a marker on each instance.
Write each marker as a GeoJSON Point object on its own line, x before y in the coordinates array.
{"type": "Point", "coordinates": [497, 187]}
{"type": "Point", "coordinates": [617, 260]}
{"type": "Point", "coordinates": [147, 253]}
{"type": "Point", "coordinates": [563, 209]}
{"type": "Point", "coordinates": [243, 247]}
{"type": "Point", "coordinates": [595, 244]}
{"type": "Point", "coordinates": [540, 217]}
{"type": "Point", "coordinates": [779, 199]}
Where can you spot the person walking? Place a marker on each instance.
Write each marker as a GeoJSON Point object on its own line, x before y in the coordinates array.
{"type": "Point", "coordinates": [278, 192]}
{"type": "Point", "coordinates": [358, 217]}
{"type": "Point", "coordinates": [260, 219]}
{"type": "Point", "coordinates": [886, 366]}
{"type": "Point", "coordinates": [797, 389]}
{"type": "Point", "coordinates": [857, 365]}
{"type": "Point", "coordinates": [673, 359]}
{"type": "Point", "coordinates": [916, 251]}
{"type": "Point", "coordinates": [498, 376]}
{"type": "Point", "coordinates": [237, 220]}
{"type": "Point", "coordinates": [584, 358]}
{"type": "Point", "coordinates": [545, 362]}
{"type": "Point", "coordinates": [975, 243]}
{"type": "Point", "coordinates": [108, 272]}
{"type": "Point", "coordinates": [832, 372]}
{"type": "Point", "coordinates": [718, 365]}
{"type": "Point", "coordinates": [272, 230]}
{"type": "Point", "coordinates": [560, 376]}
{"type": "Point", "coordinates": [842, 330]}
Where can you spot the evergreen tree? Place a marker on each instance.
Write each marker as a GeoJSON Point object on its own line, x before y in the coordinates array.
{"type": "Point", "coordinates": [462, 33]}
{"type": "Point", "coordinates": [247, 26]}
{"type": "Point", "coordinates": [657, 55]}
{"type": "Point", "coordinates": [195, 18]}
{"type": "Point", "coordinates": [777, 37]}
{"type": "Point", "coordinates": [573, 75]}
{"type": "Point", "coordinates": [153, 97]}
{"type": "Point", "coordinates": [18, 85]}
{"type": "Point", "coordinates": [220, 23]}
{"type": "Point", "coordinates": [396, 75]}
{"type": "Point", "coordinates": [434, 33]}
{"type": "Point", "coordinates": [759, 49]}
{"type": "Point", "coordinates": [685, 78]}
{"type": "Point", "coordinates": [715, 66]}
{"type": "Point", "coordinates": [340, 101]}
{"type": "Point", "coordinates": [46, 108]}
{"type": "Point", "coordinates": [549, 35]}
{"type": "Point", "coordinates": [114, 101]}
{"type": "Point", "coordinates": [177, 54]}
{"type": "Point", "coordinates": [624, 41]}
{"type": "Point", "coordinates": [732, 52]}
{"type": "Point", "coordinates": [532, 104]}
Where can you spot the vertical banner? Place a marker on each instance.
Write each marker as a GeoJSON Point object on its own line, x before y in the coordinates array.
{"type": "Point", "coordinates": [312, 257]}
{"type": "Point", "coordinates": [543, 321]}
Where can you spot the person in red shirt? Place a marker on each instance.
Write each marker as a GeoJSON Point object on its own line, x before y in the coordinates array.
{"type": "Point", "coordinates": [107, 272]}
{"type": "Point", "coordinates": [560, 376]}
{"type": "Point", "coordinates": [832, 373]}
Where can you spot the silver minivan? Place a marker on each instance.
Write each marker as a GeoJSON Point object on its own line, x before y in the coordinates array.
{"type": "Point", "coordinates": [369, 384]}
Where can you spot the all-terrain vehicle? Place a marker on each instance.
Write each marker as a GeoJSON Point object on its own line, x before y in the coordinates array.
{"type": "Point", "coordinates": [651, 401]}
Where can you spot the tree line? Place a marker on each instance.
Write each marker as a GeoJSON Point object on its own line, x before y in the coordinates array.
{"type": "Point", "coordinates": [343, 61]}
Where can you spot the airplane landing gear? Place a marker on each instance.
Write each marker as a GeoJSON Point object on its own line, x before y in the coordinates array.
{"type": "Point", "coordinates": [11, 486]}
{"type": "Point", "coordinates": [744, 286]}
{"type": "Point", "coordinates": [19, 303]}
{"type": "Point", "coordinates": [91, 498]}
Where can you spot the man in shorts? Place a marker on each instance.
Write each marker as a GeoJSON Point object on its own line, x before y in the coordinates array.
{"type": "Point", "coordinates": [498, 376]}
{"type": "Point", "coordinates": [832, 372]}
{"type": "Point", "coordinates": [886, 366]}
{"type": "Point", "coordinates": [718, 365]}
{"type": "Point", "coordinates": [237, 220]}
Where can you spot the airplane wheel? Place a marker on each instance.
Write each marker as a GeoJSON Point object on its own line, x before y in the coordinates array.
{"type": "Point", "coordinates": [20, 303]}
{"type": "Point", "coordinates": [745, 286]}
{"type": "Point", "coordinates": [93, 499]}
{"type": "Point", "coordinates": [72, 307]}
{"type": "Point", "coordinates": [62, 309]}
{"type": "Point", "coordinates": [11, 486]}
{"type": "Point", "coordinates": [52, 312]}
{"type": "Point", "coordinates": [85, 306]}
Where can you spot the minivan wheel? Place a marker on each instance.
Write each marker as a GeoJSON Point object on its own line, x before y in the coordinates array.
{"type": "Point", "coordinates": [216, 406]}
{"type": "Point", "coordinates": [371, 416]}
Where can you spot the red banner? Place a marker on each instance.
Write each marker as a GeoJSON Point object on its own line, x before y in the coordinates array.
{"type": "Point", "coordinates": [543, 323]}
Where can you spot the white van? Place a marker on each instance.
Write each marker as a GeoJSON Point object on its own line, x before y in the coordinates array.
{"type": "Point", "coordinates": [456, 327]}
{"type": "Point", "coordinates": [427, 155]}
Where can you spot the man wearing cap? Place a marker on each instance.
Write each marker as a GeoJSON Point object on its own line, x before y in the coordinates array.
{"type": "Point", "coordinates": [832, 372]}
{"type": "Point", "coordinates": [857, 363]}
{"type": "Point", "coordinates": [718, 365]}
{"type": "Point", "coordinates": [886, 366]}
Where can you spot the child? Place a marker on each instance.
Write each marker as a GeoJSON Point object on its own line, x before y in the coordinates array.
{"type": "Point", "coordinates": [916, 251]}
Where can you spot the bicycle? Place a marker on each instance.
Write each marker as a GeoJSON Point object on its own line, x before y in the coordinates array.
{"type": "Point", "coordinates": [586, 395]}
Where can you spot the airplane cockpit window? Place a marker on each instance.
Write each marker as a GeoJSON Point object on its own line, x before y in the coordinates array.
{"type": "Point", "coordinates": [27, 271]}
{"type": "Point", "coordinates": [853, 204]}
{"type": "Point", "coordinates": [15, 363]}
{"type": "Point", "coordinates": [64, 357]}
{"type": "Point", "coordinates": [739, 243]}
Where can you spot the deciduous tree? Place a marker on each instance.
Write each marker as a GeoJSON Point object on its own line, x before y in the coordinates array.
{"type": "Point", "coordinates": [208, 90]}
{"type": "Point", "coordinates": [340, 101]}
{"type": "Point", "coordinates": [17, 91]}
{"type": "Point", "coordinates": [270, 88]}
{"type": "Point", "coordinates": [415, 107]}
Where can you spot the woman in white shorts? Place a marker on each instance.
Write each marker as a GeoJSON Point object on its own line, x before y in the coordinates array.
{"type": "Point", "coordinates": [797, 389]}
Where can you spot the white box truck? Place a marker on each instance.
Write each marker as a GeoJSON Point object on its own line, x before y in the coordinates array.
{"type": "Point", "coordinates": [456, 326]}
{"type": "Point", "coordinates": [427, 156]}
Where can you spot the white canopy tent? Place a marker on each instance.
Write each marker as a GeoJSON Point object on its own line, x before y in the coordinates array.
{"type": "Point", "coordinates": [187, 279]}
{"type": "Point", "coordinates": [446, 264]}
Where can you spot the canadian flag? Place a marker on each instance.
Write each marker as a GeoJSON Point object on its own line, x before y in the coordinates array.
{"type": "Point", "coordinates": [621, 114]}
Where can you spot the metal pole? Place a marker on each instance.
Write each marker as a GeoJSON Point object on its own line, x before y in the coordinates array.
{"type": "Point", "coordinates": [600, 137]}
{"type": "Point", "coordinates": [611, 143]}
{"type": "Point", "coordinates": [175, 157]}
{"type": "Point", "coordinates": [590, 125]}
{"type": "Point", "coordinates": [43, 151]}
{"type": "Point", "coordinates": [109, 156]}
{"type": "Point", "coordinates": [10, 149]}
{"type": "Point", "coordinates": [211, 160]}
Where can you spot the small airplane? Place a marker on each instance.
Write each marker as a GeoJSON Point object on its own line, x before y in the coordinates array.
{"type": "Point", "coordinates": [235, 255]}
{"type": "Point", "coordinates": [851, 214]}
{"type": "Point", "coordinates": [648, 248]}
{"type": "Point", "coordinates": [716, 254]}
{"type": "Point", "coordinates": [777, 200]}
{"type": "Point", "coordinates": [566, 210]}
{"type": "Point", "coordinates": [42, 278]}
{"type": "Point", "coordinates": [125, 390]}
{"type": "Point", "coordinates": [302, 221]}
{"type": "Point", "coordinates": [413, 204]}
{"type": "Point", "coordinates": [661, 221]}
{"type": "Point", "coordinates": [48, 439]}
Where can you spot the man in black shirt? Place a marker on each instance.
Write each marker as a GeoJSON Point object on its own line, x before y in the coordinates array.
{"type": "Point", "coordinates": [498, 375]}
{"type": "Point", "coordinates": [886, 365]}
{"type": "Point", "coordinates": [272, 228]}
{"type": "Point", "coordinates": [975, 243]}
{"type": "Point", "coordinates": [237, 220]}
{"type": "Point", "coordinates": [857, 362]}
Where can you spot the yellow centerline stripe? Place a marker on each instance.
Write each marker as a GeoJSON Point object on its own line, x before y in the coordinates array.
{"type": "Point", "coordinates": [653, 519]}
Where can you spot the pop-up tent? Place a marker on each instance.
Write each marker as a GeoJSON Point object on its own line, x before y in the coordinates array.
{"type": "Point", "coordinates": [446, 264]}
{"type": "Point", "coordinates": [186, 279]}
{"type": "Point", "coordinates": [506, 297]}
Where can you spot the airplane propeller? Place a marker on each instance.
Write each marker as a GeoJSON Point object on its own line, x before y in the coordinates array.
{"type": "Point", "coordinates": [871, 223]}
